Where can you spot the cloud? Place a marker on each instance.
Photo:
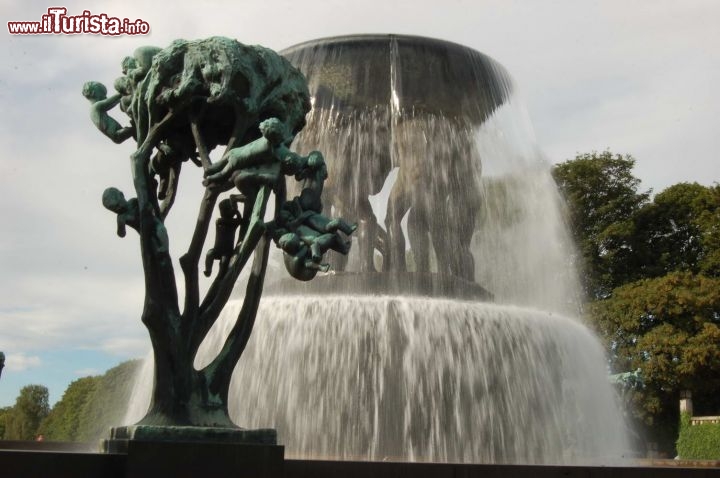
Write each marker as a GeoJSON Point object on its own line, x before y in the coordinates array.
{"type": "Point", "coordinates": [18, 362]}
{"type": "Point", "coordinates": [68, 311]}
{"type": "Point", "coordinates": [131, 347]}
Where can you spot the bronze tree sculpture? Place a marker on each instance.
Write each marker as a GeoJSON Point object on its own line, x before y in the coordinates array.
{"type": "Point", "coordinates": [182, 102]}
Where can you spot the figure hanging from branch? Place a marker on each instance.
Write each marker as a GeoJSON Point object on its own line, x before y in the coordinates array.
{"type": "Point", "coordinates": [96, 93]}
{"type": "Point", "coordinates": [305, 235]}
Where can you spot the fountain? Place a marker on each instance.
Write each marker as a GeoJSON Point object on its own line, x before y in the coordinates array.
{"type": "Point", "coordinates": [444, 336]}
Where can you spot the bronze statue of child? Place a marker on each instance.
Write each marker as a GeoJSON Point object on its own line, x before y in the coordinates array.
{"type": "Point", "coordinates": [303, 232]}
{"type": "Point", "coordinates": [254, 164]}
{"type": "Point", "coordinates": [127, 211]}
{"type": "Point", "coordinates": [96, 93]}
{"type": "Point", "coordinates": [128, 214]}
{"type": "Point", "coordinates": [225, 228]}
{"type": "Point", "coordinates": [310, 205]}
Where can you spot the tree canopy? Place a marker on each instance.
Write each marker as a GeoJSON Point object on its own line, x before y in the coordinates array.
{"type": "Point", "coordinates": [651, 272]}
{"type": "Point", "coordinates": [23, 419]}
{"type": "Point", "coordinates": [86, 411]}
{"type": "Point", "coordinates": [602, 198]}
{"type": "Point", "coordinates": [91, 405]}
{"type": "Point", "coordinates": [679, 231]}
{"type": "Point", "coordinates": [107, 402]}
{"type": "Point", "coordinates": [669, 327]}
{"type": "Point", "coordinates": [63, 422]}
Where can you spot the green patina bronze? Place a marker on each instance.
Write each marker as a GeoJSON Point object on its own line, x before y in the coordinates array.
{"type": "Point", "coordinates": [181, 103]}
{"type": "Point", "coordinates": [632, 379]}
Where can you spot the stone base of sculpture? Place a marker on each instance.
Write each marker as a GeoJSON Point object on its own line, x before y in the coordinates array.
{"type": "Point", "coordinates": [121, 436]}
{"type": "Point", "coordinates": [196, 451]}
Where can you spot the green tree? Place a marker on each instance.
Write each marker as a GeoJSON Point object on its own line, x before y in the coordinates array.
{"type": "Point", "coordinates": [651, 271]}
{"type": "Point", "coordinates": [62, 424]}
{"type": "Point", "coordinates": [91, 405]}
{"type": "Point", "coordinates": [4, 413]}
{"type": "Point", "coordinates": [107, 402]}
{"type": "Point", "coordinates": [602, 197]}
{"type": "Point", "coordinates": [680, 230]}
{"type": "Point", "coordinates": [31, 407]}
{"type": "Point", "coordinates": [669, 327]}
{"type": "Point", "coordinates": [710, 224]}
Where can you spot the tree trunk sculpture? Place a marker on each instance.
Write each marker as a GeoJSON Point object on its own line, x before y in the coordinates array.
{"type": "Point", "coordinates": [182, 102]}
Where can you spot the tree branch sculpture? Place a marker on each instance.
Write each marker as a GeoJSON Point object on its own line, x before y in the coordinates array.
{"type": "Point", "coordinates": [183, 102]}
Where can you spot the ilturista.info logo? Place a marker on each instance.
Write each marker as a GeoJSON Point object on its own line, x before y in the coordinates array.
{"type": "Point", "coordinates": [57, 22]}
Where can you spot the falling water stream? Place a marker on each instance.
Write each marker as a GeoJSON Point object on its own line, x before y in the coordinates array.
{"type": "Point", "coordinates": [429, 149]}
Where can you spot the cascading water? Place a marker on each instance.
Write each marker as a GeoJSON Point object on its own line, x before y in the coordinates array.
{"type": "Point", "coordinates": [398, 358]}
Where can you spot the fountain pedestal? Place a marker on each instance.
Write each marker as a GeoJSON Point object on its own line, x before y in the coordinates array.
{"type": "Point", "coordinates": [196, 451]}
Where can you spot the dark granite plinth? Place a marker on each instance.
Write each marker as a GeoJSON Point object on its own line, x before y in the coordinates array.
{"type": "Point", "coordinates": [121, 436]}
{"type": "Point", "coordinates": [60, 464]}
{"type": "Point", "coordinates": [154, 451]}
{"type": "Point", "coordinates": [218, 460]}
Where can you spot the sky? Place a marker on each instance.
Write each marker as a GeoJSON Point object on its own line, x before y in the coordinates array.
{"type": "Point", "coordinates": [635, 77]}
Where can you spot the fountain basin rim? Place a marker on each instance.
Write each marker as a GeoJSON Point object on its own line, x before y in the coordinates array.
{"type": "Point", "coordinates": [374, 38]}
{"type": "Point", "coordinates": [520, 313]}
{"type": "Point", "coordinates": [472, 83]}
{"type": "Point", "coordinates": [415, 284]}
